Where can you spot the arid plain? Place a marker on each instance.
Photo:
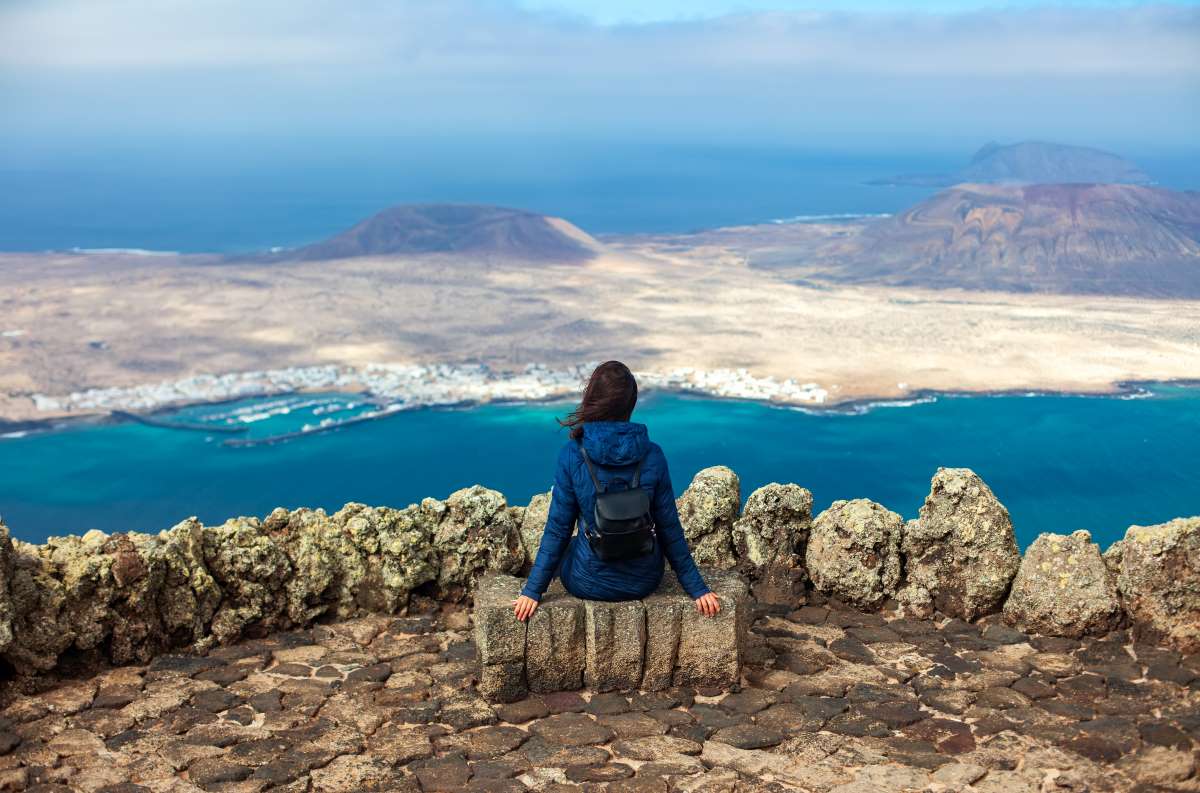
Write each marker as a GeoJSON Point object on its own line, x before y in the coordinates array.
{"type": "Point", "coordinates": [729, 298]}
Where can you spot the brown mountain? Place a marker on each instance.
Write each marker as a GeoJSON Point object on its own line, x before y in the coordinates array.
{"type": "Point", "coordinates": [483, 231]}
{"type": "Point", "coordinates": [1080, 238]}
{"type": "Point", "coordinates": [1032, 162]}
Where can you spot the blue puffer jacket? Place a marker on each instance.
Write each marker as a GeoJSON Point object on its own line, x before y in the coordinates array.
{"type": "Point", "coordinates": [615, 448]}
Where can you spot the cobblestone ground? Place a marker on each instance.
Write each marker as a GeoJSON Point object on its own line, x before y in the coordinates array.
{"type": "Point", "coordinates": [832, 700]}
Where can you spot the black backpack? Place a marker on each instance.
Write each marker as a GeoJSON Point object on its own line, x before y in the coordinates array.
{"type": "Point", "coordinates": [623, 527]}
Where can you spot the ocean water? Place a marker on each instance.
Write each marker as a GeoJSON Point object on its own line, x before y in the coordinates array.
{"type": "Point", "coordinates": [199, 194]}
{"type": "Point", "coordinates": [1059, 463]}
{"type": "Point", "coordinates": [220, 201]}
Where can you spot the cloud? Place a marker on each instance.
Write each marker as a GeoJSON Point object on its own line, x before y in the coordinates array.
{"type": "Point", "coordinates": [464, 37]}
{"type": "Point", "coordinates": [494, 63]}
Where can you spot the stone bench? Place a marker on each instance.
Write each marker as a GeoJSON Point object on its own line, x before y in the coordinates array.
{"type": "Point", "coordinates": [569, 643]}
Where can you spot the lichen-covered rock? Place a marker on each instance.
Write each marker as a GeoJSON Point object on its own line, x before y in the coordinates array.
{"type": "Point", "coordinates": [707, 510]}
{"type": "Point", "coordinates": [327, 567]}
{"type": "Point", "coordinates": [129, 597]}
{"type": "Point", "coordinates": [252, 571]}
{"type": "Point", "coordinates": [397, 548]}
{"type": "Point", "coordinates": [854, 552]}
{"type": "Point", "coordinates": [1062, 588]}
{"type": "Point", "coordinates": [189, 595]}
{"type": "Point", "coordinates": [93, 594]}
{"type": "Point", "coordinates": [6, 610]}
{"type": "Point", "coordinates": [84, 571]}
{"type": "Point", "coordinates": [533, 523]}
{"type": "Point", "coordinates": [1112, 559]}
{"type": "Point", "coordinates": [476, 531]}
{"type": "Point", "coordinates": [1158, 577]}
{"type": "Point", "coordinates": [138, 631]}
{"type": "Point", "coordinates": [769, 540]}
{"type": "Point", "coordinates": [960, 554]}
{"type": "Point", "coordinates": [41, 621]}
{"type": "Point", "coordinates": [361, 559]}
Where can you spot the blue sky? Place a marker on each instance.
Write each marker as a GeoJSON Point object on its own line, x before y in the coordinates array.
{"type": "Point", "coordinates": [610, 12]}
{"type": "Point", "coordinates": [861, 74]}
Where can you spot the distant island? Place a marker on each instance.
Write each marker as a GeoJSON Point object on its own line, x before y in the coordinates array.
{"type": "Point", "coordinates": [467, 229]}
{"type": "Point", "coordinates": [1114, 239]}
{"type": "Point", "coordinates": [1031, 162]}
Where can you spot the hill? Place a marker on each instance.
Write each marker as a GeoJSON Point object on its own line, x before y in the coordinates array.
{"type": "Point", "coordinates": [1033, 162]}
{"type": "Point", "coordinates": [486, 231]}
{"type": "Point", "coordinates": [1068, 238]}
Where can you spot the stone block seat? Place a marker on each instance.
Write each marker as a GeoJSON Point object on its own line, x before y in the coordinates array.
{"type": "Point", "coordinates": [569, 643]}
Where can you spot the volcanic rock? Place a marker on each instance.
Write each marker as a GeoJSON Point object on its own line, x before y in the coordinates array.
{"type": "Point", "coordinates": [1158, 575]}
{"type": "Point", "coordinates": [533, 523]}
{"type": "Point", "coordinates": [476, 532]}
{"type": "Point", "coordinates": [769, 539]}
{"type": "Point", "coordinates": [1063, 588]}
{"type": "Point", "coordinates": [707, 510]}
{"type": "Point", "coordinates": [854, 552]}
{"type": "Point", "coordinates": [960, 554]}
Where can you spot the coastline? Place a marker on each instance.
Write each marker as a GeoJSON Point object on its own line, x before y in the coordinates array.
{"type": "Point", "coordinates": [446, 386]}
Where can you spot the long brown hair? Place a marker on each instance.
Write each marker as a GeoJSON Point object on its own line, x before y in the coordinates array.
{"type": "Point", "coordinates": [610, 395]}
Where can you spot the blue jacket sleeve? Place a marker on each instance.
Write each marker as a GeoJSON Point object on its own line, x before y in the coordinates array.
{"type": "Point", "coordinates": [670, 534]}
{"type": "Point", "coordinates": [560, 524]}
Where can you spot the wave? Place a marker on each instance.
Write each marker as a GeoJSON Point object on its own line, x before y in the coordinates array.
{"type": "Point", "coordinates": [837, 216]}
{"type": "Point", "coordinates": [862, 408]}
{"type": "Point", "coordinates": [260, 411]}
{"type": "Point", "coordinates": [126, 251]}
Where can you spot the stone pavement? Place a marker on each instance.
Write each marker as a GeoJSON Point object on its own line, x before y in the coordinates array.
{"type": "Point", "coordinates": [568, 643]}
{"type": "Point", "coordinates": [831, 699]}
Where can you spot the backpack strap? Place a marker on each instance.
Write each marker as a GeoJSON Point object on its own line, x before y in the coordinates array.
{"type": "Point", "coordinates": [591, 469]}
{"type": "Point", "coordinates": [637, 475]}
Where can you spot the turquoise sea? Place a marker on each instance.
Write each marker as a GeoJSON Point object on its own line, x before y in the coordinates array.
{"type": "Point", "coordinates": [1058, 462]}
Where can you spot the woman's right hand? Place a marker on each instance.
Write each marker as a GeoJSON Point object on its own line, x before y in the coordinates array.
{"type": "Point", "coordinates": [524, 607]}
{"type": "Point", "coordinates": [708, 604]}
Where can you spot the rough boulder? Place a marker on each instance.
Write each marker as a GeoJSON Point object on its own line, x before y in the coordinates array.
{"type": "Point", "coordinates": [1063, 589]}
{"type": "Point", "coordinates": [6, 606]}
{"type": "Point", "coordinates": [707, 510]}
{"type": "Point", "coordinates": [854, 552]}
{"type": "Point", "coordinates": [960, 554]}
{"type": "Point", "coordinates": [476, 532]}
{"type": "Point", "coordinates": [1158, 575]}
{"type": "Point", "coordinates": [769, 539]}
{"type": "Point", "coordinates": [533, 522]}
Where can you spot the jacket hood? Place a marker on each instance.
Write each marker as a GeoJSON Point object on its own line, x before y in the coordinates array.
{"type": "Point", "coordinates": [616, 442]}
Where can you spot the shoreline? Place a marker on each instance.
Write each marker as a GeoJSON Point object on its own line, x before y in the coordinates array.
{"type": "Point", "coordinates": [393, 403]}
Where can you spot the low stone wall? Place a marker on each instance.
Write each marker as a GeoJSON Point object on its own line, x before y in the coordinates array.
{"type": "Point", "coordinates": [569, 643]}
{"type": "Point", "coordinates": [128, 597]}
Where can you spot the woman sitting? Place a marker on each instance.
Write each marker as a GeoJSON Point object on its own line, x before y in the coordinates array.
{"type": "Point", "coordinates": [609, 456]}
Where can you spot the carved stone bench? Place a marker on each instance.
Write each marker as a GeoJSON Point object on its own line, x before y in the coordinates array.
{"type": "Point", "coordinates": [570, 643]}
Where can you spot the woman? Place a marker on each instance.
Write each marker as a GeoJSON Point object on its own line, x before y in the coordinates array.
{"type": "Point", "coordinates": [602, 434]}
